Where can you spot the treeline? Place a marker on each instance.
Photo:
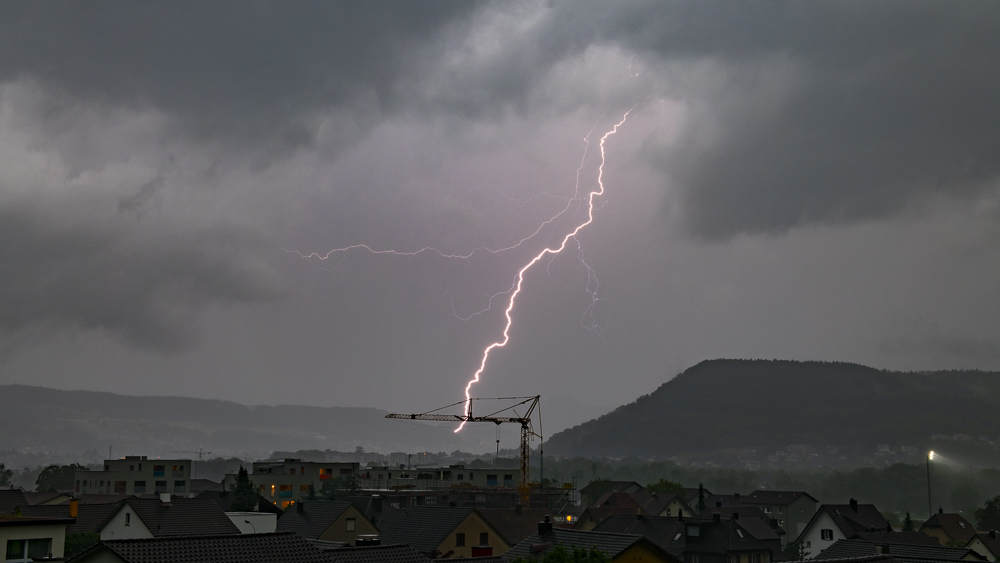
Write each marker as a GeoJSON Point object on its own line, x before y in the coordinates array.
{"type": "Point", "coordinates": [899, 488]}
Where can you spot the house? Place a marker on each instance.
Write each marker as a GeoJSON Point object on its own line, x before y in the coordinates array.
{"type": "Point", "coordinates": [613, 502]}
{"type": "Point", "coordinates": [656, 504]}
{"type": "Point", "coordinates": [754, 521]}
{"type": "Point", "coordinates": [136, 475]}
{"type": "Point", "coordinates": [441, 531]}
{"type": "Point", "coordinates": [906, 538]}
{"type": "Point", "coordinates": [833, 522]}
{"type": "Point", "coordinates": [86, 518]}
{"type": "Point", "coordinates": [439, 476]}
{"type": "Point", "coordinates": [166, 517]}
{"type": "Point", "coordinates": [24, 539]}
{"type": "Point", "coordinates": [280, 547]}
{"type": "Point", "coordinates": [792, 509]}
{"type": "Point", "coordinates": [721, 541]}
{"type": "Point", "coordinates": [254, 522]}
{"type": "Point", "coordinates": [516, 524]}
{"type": "Point", "coordinates": [619, 547]}
{"type": "Point", "coordinates": [948, 529]}
{"type": "Point", "coordinates": [850, 549]}
{"type": "Point", "coordinates": [986, 544]}
{"type": "Point", "coordinates": [225, 501]}
{"type": "Point", "coordinates": [339, 521]}
{"type": "Point", "coordinates": [377, 509]}
{"type": "Point", "coordinates": [666, 533]}
{"type": "Point", "coordinates": [17, 497]}
{"type": "Point", "coordinates": [284, 482]}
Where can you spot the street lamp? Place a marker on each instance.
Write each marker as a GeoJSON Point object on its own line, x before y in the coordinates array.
{"type": "Point", "coordinates": [251, 525]}
{"type": "Point", "coordinates": [930, 511]}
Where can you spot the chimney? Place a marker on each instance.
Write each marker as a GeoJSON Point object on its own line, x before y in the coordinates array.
{"type": "Point", "coordinates": [716, 518]}
{"type": "Point", "coordinates": [854, 505]}
{"type": "Point", "coordinates": [736, 516]}
{"type": "Point", "coordinates": [300, 507]}
{"type": "Point", "coordinates": [680, 513]}
{"type": "Point", "coordinates": [718, 504]}
{"type": "Point", "coordinates": [482, 550]}
{"type": "Point", "coordinates": [165, 499]}
{"type": "Point", "coordinates": [545, 527]}
{"type": "Point", "coordinates": [940, 510]}
{"type": "Point", "coordinates": [74, 507]}
{"type": "Point", "coordinates": [377, 504]}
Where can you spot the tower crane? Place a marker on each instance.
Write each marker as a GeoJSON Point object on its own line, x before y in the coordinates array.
{"type": "Point", "coordinates": [527, 430]}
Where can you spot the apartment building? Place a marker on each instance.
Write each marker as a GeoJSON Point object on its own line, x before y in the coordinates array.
{"type": "Point", "coordinates": [136, 475]}
{"type": "Point", "coordinates": [435, 477]}
{"type": "Point", "coordinates": [286, 481]}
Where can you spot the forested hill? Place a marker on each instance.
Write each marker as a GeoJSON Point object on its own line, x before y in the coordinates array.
{"type": "Point", "coordinates": [733, 404]}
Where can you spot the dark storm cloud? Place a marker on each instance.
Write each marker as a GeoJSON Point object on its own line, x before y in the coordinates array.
{"type": "Point", "coordinates": [246, 67]}
{"type": "Point", "coordinates": [145, 285]}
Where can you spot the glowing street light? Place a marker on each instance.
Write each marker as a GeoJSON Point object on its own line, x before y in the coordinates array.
{"type": "Point", "coordinates": [930, 511]}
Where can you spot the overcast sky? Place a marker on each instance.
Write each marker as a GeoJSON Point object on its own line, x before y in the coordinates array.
{"type": "Point", "coordinates": [802, 180]}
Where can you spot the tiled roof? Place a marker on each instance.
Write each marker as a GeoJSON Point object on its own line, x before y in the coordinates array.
{"type": "Point", "coordinates": [382, 519]}
{"type": "Point", "coordinates": [512, 526]}
{"type": "Point", "coordinates": [612, 544]}
{"type": "Point", "coordinates": [225, 500]}
{"type": "Point", "coordinates": [726, 500]}
{"type": "Point", "coordinates": [484, 559]}
{"type": "Point", "coordinates": [660, 530]}
{"type": "Point", "coordinates": [616, 499]}
{"type": "Point", "coordinates": [11, 499]}
{"type": "Point", "coordinates": [12, 520]}
{"type": "Point", "coordinates": [615, 486]}
{"type": "Point", "coordinates": [843, 549]}
{"type": "Point", "coordinates": [34, 498]}
{"type": "Point", "coordinates": [910, 538]}
{"type": "Point", "coordinates": [957, 528]}
{"type": "Point", "coordinates": [396, 553]}
{"type": "Point", "coordinates": [199, 485]}
{"type": "Point", "coordinates": [316, 517]}
{"type": "Point", "coordinates": [778, 498]}
{"type": "Point", "coordinates": [89, 517]}
{"type": "Point", "coordinates": [183, 517]}
{"type": "Point", "coordinates": [991, 543]}
{"type": "Point", "coordinates": [751, 519]}
{"type": "Point", "coordinates": [279, 547]}
{"type": "Point", "coordinates": [851, 522]}
{"type": "Point", "coordinates": [723, 537]}
{"type": "Point", "coordinates": [425, 527]}
{"type": "Point", "coordinates": [96, 498]}
{"type": "Point", "coordinates": [654, 503]}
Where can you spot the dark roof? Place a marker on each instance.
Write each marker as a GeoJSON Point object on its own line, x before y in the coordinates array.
{"type": "Point", "coordinates": [182, 517]}
{"type": "Point", "coordinates": [397, 553]}
{"type": "Point", "coordinates": [89, 517]}
{"type": "Point", "coordinates": [842, 549]}
{"type": "Point", "coordinates": [691, 494]}
{"type": "Point", "coordinates": [425, 527]}
{"type": "Point", "coordinates": [382, 519]}
{"type": "Point", "coordinates": [11, 499]}
{"type": "Point", "coordinates": [660, 530]}
{"type": "Point", "coordinates": [96, 498]}
{"type": "Point", "coordinates": [316, 517]}
{"type": "Point", "coordinates": [612, 544]}
{"type": "Point", "coordinates": [619, 500]}
{"type": "Point", "coordinates": [11, 520]}
{"type": "Point", "coordinates": [199, 485]}
{"type": "Point", "coordinates": [866, 518]}
{"type": "Point", "coordinates": [280, 547]}
{"type": "Point", "coordinates": [751, 518]}
{"type": "Point", "coordinates": [655, 503]}
{"type": "Point", "coordinates": [514, 526]}
{"type": "Point", "coordinates": [615, 486]}
{"type": "Point", "coordinates": [43, 496]}
{"type": "Point", "coordinates": [484, 559]}
{"type": "Point", "coordinates": [726, 500]}
{"type": "Point", "coordinates": [957, 528]}
{"type": "Point", "coordinates": [781, 498]}
{"type": "Point", "coordinates": [910, 538]}
{"type": "Point", "coordinates": [225, 501]}
{"type": "Point", "coordinates": [723, 537]}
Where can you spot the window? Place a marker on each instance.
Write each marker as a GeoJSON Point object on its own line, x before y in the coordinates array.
{"type": "Point", "coordinates": [139, 487]}
{"type": "Point", "coordinates": [351, 523]}
{"type": "Point", "coordinates": [677, 537]}
{"type": "Point", "coordinates": [733, 559]}
{"type": "Point", "coordinates": [345, 472]}
{"type": "Point", "coordinates": [694, 558]}
{"type": "Point", "coordinates": [128, 518]}
{"type": "Point", "coordinates": [177, 471]}
{"type": "Point", "coordinates": [668, 512]}
{"type": "Point", "coordinates": [304, 489]}
{"type": "Point", "coordinates": [781, 522]}
{"type": "Point", "coordinates": [178, 486]}
{"type": "Point", "coordinates": [100, 487]}
{"type": "Point", "coordinates": [693, 531]}
{"type": "Point", "coordinates": [484, 538]}
{"type": "Point", "coordinates": [755, 558]}
{"type": "Point", "coordinates": [159, 486]}
{"type": "Point", "coordinates": [131, 468]}
{"type": "Point", "coordinates": [459, 539]}
{"type": "Point", "coordinates": [302, 470]}
{"type": "Point", "coordinates": [461, 476]}
{"type": "Point", "coordinates": [26, 550]}
{"type": "Point", "coordinates": [120, 487]}
{"type": "Point", "coordinates": [381, 476]}
{"type": "Point", "coordinates": [292, 470]}
{"type": "Point", "coordinates": [491, 481]}
{"type": "Point", "coordinates": [508, 480]}
{"type": "Point", "coordinates": [961, 525]}
{"type": "Point", "coordinates": [159, 470]}
{"type": "Point", "coordinates": [826, 535]}
{"type": "Point", "coordinates": [781, 510]}
{"type": "Point", "coordinates": [767, 510]}
{"type": "Point", "coordinates": [739, 533]}
{"type": "Point", "coordinates": [285, 491]}
{"type": "Point", "coordinates": [85, 486]}
{"type": "Point", "coordinates": [78, 486]}
{"type": "Point", "coordinates": [272, 491]}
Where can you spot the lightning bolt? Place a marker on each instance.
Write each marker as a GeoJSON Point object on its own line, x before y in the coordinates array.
{"type": "Point", "coordinates": [538, 257]}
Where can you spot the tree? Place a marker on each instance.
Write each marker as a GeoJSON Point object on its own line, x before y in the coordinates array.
{"type": "Point", "coordinates": [79, 541]}
{"type": "Point", "coordinates": [988, 517]}
{"type": "Point", "coordinates": [665, 486]}
{"type": "Point", "coordinates": [311, 495]}
{"type": "Point", "coordinates": [908, 525]}
{"type": "Point", "coordinates": [5, 475]}
{"type": "Point", "coordinates": [244, 493]}
{"type": "Point", "coordinates": [795, 551]}
{"type": "Point", "coordinates": [701, 498]}
{"type": "Point", "coordinates": [57, 477]}
{"type": "Point", "coordinates": [559, 554]}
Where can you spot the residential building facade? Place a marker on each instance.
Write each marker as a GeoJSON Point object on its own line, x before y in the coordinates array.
{"type": "Point", "coordinates": [284, 482]}
{"type": "Point", "coordinates": [136, 475]}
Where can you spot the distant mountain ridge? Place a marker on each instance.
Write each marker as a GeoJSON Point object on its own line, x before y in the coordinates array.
{"type": "Point", "coordinates": [727, 404]}
{"type": "Point", "coordinates": [53, 420]}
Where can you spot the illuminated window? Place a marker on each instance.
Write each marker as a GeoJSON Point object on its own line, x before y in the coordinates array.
{"type": "Point", "coordinates": [177, 471]}
{"type": "Point", "coordinates": [285, 491]}
{"type": "Point", "coordinates": [303, 488]}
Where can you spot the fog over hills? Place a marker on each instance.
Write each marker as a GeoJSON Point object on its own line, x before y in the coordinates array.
{"type": "Point", "coordinates": [729, 404]}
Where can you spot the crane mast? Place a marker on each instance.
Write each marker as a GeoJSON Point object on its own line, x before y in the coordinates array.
{"type": "Point", "coordinates": [527, 430]}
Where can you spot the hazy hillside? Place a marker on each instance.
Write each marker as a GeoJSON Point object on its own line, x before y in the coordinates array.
{"type": "Point", "coordinates": [725, 404]}
{"type": "Point", "coordinates": [54, 421]}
